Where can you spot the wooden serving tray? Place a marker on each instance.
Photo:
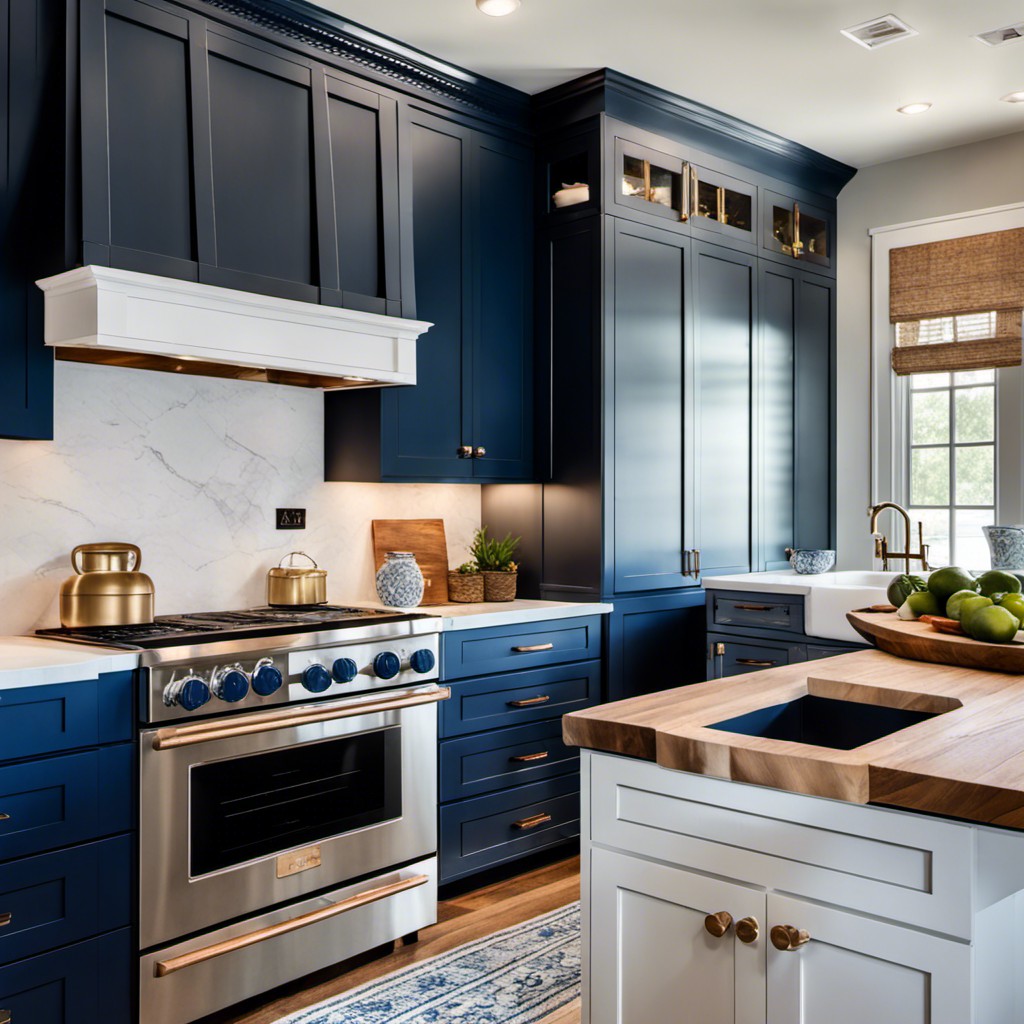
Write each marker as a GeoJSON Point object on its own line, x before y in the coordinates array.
{"type": "Point", "coordinates": [917, 640]}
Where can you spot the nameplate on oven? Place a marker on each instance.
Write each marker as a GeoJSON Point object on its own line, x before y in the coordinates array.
{"type": "Point", "coordinates": [298, 860]}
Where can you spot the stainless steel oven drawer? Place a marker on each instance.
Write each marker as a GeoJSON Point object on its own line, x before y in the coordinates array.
{"type": "Point", "coordinates": [190, 979]}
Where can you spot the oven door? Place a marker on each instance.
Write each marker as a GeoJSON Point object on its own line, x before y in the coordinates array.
{"type": "Point", "coordinates": [248, 811]}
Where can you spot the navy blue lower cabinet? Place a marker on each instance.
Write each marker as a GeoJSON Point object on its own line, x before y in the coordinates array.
{"type": "Point", "coordinates": [489, 830]}
{"type": "Point", "coordinates": [87, 983]}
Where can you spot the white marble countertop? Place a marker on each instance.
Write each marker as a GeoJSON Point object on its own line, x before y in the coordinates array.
{"type": "Point", "coordinates": [509, 613]}
{"type": "Point", "coordinates": [783, 582]}
{"type": "Point", "coordinates": [29, 661]}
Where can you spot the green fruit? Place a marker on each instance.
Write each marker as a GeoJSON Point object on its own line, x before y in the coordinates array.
{"type": "Point", "coordinates": [994, 625]}
{"type": "Point", "coordinates": [970, 608]}
{"type": "Point", "coordinates": [922, 602]}
{"type": "Point", "coordinates": [902, 587]}
{"type": "Point", "coordinates": [1014, 604]}
{"type": "Point", "coordinates": [995, 581]}
{"type": "Point", "coordinates": [954, 603]}
{"type": "Point", "coordinates": [944, 583]}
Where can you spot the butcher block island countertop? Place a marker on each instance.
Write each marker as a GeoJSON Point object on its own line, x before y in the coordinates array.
{"type": "Point", "coordinates": [966, 762]}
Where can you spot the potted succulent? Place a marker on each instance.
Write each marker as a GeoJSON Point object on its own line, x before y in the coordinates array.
{"type": "Point", "coordinates": [495, 559]}
{"type": "Point", "coordinates": [466, 584]}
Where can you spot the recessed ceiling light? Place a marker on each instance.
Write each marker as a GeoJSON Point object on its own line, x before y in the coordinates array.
{"type": "Point", "coordinates": [497, 8]}
{"type": "Point", "coordinates": [1013, 97]}
{"type": "Point", "coordinates": [914, 108]}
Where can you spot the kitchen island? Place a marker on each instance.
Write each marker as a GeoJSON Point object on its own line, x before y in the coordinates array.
{"type": "Point", "coordinates": [745, 874]}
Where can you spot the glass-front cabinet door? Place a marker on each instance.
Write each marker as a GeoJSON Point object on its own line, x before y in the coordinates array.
{"type": "Point", "coordinates": [651, 182]}
{"type": "Point", "coordinates": [723, 205]}
{"type": "Point", "coordinates": [797, 229]}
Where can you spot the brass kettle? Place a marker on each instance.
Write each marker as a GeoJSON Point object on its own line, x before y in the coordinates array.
{"type": "Point", "coordinates": [108, 589]}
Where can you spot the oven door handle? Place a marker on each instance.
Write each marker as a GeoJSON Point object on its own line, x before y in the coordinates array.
{"type": "Point", "coordinates": [205, 732]}
{"type": "Point", "coordinates": [360, 899]}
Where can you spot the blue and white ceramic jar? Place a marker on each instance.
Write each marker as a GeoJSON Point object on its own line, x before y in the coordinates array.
{"type": "Point", "coordinates": [399, 580]}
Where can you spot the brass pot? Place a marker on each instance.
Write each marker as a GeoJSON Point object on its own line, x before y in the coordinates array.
{"type": "Point", "coordinates": [108, 589]}
{"type": "Point", "coordinates": [291, 585]}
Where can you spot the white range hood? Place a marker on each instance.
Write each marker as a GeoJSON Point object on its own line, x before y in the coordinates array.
{"type": "Point", "coordinates": [119, 317]}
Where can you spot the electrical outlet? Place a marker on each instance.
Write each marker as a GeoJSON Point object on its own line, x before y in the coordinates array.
{"type": "Point", "coordinates": [291, 519]}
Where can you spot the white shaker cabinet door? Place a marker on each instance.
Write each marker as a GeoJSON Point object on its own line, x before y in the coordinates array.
{"type": "Point", "coordinates": [855, 970]}
{"type": "Point", "coordinates": [652, 961]}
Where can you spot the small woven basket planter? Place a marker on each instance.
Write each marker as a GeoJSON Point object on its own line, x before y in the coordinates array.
{"type": "Point", "coordinates": [465, 588]}
{"type": "Point", "coordinates": [499, 586]}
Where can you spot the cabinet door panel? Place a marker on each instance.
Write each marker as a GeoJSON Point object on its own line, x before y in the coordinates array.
{"type": "Point", "coordinates": [649, 303]}
{"type": "Point", "coordinates": [422, 425]}
{"type": "Point", "coordinates": [855, 969]}
{"type": "Point", "coordinates": [724, 312]}
{"type": "Point", "coordinates": [650, 953]}
{"type": "Point", "coordinates": [500, 363]}
{"type": "Point", "coordinates": [260, 116]}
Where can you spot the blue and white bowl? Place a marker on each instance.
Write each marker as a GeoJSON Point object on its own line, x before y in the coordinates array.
{"type": "Point", "coordinates": [811, 561]}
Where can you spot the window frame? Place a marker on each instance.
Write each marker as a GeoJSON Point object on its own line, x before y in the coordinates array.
{"type": "Point", "coordinates": [890, 395]}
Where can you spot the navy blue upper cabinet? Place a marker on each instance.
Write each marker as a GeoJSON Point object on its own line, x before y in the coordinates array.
{"type": "Point", "coordinates": [31, 204]}
{"type": "Point", "coordinates": [469, 417]}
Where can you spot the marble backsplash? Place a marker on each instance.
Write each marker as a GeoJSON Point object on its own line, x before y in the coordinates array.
{"type": "Point", "coordinates": [191, 469]}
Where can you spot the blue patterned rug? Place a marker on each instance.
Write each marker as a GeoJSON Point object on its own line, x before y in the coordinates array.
{"type": "Point", "coordinates": [516, 976]}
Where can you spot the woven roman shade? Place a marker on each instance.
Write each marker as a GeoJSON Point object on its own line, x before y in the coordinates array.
{"type": "Point", "coordinates": [957, 303]}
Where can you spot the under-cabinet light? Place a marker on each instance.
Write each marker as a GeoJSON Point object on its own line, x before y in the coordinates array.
{"type": "Point", "coordinates": [497, 8]}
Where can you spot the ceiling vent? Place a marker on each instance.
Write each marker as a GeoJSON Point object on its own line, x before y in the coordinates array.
{"type": "Point", "coordinates": [998, 36]}
{"type": "Point", "coordinates": [879, 32]}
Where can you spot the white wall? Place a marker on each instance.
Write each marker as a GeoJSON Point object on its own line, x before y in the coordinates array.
{"type": "Point", "coordinates": [191, 469]}
{"type": "Point", "coordinates": [973, 177]}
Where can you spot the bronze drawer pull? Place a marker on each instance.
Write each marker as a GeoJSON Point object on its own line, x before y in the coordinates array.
{"type": "Point", "coordinates": [539, 756]}
{"type": "Point", "coordinates": [532, 648]}
{"type": "Point", "coordinates": [532, 822]}
{"type": "Point", "coordinates": [360, 899]}
{"type": "Point", "coordinates": [4, 817]}
{"type": "Point", "coordinates": [755, 607]}
{"type": "Point", "coordinates": [754, 661]}
{"type": "Point", "coordinates": [718, 924]}
{"type": "Point", "coordinates": [5, 919]}
{"type": "Point", "coordinates": [787, 938]}
{"type": "Point", "coordinates": [527, 701]}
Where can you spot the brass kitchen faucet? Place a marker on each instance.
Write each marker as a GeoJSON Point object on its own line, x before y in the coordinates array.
{"type": "Point", "coordinates": [882, 544]}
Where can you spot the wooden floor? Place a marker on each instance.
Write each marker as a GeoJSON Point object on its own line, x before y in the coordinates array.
{"type": "Point", "coordinates": [460, 919]}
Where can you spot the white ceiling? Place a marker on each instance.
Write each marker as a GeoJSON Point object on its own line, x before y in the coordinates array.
{"type": "Point", "coordinates": [780, 64]}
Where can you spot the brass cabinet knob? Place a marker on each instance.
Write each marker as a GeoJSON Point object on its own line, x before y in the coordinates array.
{"type": "Point", "coordinates": [464, 451]}
{"type": "Point", "coordinates": [479, 451]}
{"type": "Point", "coordinates": [747, 930]}
{"type": "Point", "coordinates": [786, 937]}
{"type": "Point", "coordinates": [718, 924]}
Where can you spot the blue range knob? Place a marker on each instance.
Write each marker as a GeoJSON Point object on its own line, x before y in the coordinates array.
{"type": "Point", "coordinates": [190, 693]}
{"type": "Point", "coordinates": [230, 684]}
{"type": "Point", "coordinates": [266, 679]}
{"type": "Point", "coordinates": [422, 660]}
{"type": "Point", "coordinates": [387, 665]}
{"type": "Point", "coordinates": [316, 678]}
{"type": "Point", "coordinates": [344, 670]}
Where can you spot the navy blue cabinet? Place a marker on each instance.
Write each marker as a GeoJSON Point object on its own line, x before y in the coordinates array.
{"type": "Point", "coordinates": [469, 416]}
{"type": "Point", "coordinates": [32, 155]}
{"type": "Point", "coordinates": [67, 886]}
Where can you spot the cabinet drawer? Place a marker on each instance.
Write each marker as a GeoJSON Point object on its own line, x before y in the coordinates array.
{"type": "Point", "coordinates": [520, 697]}
{"type": "Point", "coordinates": [88, 983]}
{"type": "Point", "coordinates": [57, 898]}
{"type": "Point", "coordinates": [38, 720]}
{"type": "Point", "coordinates": [479, 652]}
{"type": "Point", "coordinates": [733, 658]}
{"type": "Point", "coordinates": [910, 869]}
{"type": "Point", "coordinates": [488, 830]}
{"type": "Point", "coordinates": [62, 800]}
{"type": "Point", "coordinates": [760, 611]}
{"type": "Point", "coordinates": [471, 765]}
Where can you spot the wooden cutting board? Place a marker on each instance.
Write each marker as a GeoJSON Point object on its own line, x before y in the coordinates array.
{"type": "Point", "coordinates": [917, 640]}
{"type": "Point", "coordinates": [425, 539]}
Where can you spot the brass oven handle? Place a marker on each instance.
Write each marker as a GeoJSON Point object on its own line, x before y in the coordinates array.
{"type": "Point", "coordinates": [5, 919]}
{"type": "Point", "coordinates": [361, 899]}
{"type": "Point", "coordinates": [532, 822]}
{"type": "Point", "coordinates": [204, 732]}
{"type": "Point", "coordinates": [539, 756]}
{"type": "Point", "coordinates": [531, 648]}
{"type": "Point", "coordinates": [754, 661]}
{"type": "Point", "coordinates": [527, 701]}
{"type": "Point", "coordinates": [754, 607]}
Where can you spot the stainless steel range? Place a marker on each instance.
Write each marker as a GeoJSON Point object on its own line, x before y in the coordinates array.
{"type": "Point", "coordinates": [287, 795]}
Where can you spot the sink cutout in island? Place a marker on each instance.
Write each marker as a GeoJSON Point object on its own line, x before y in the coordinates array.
{"type": "Point", "coordinates": [824, 722]}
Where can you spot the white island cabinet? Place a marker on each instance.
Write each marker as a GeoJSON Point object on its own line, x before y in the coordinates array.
{"type": "Point", "coordinates": [833, 913]}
